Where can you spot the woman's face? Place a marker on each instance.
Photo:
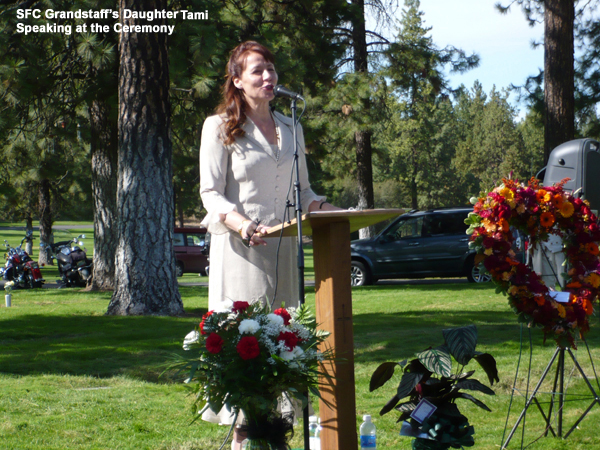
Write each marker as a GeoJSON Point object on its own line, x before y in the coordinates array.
{"type": "Point", "coordinates": [257, 80]}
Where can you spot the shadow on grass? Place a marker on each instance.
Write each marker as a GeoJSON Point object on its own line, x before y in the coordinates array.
{"type": "Point", "coordinates": [99, 346]}
{"type": "Point", "coordinates": [403, 334]}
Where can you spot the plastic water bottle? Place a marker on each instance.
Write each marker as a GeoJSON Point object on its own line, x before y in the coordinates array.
{"type": "Point", "coordinates": [314, 441]}
{"type": "Point", "coordinates": [367, 434]}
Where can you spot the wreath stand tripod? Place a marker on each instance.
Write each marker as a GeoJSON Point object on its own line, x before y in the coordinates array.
{"type": "Point", "coordinates": [559, 380]}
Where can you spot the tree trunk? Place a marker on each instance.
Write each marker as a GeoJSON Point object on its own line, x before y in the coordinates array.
{"type": "Point", "coordinates": [145, 278]}
{"type": "Point", "coordinates": [364, 167]}
{"type": "Point", "coordinates": [104, 148]}
{"type": "Point", "coordinates": [559, 84]}
{"type": "Point", "coordinates": [45, 214]}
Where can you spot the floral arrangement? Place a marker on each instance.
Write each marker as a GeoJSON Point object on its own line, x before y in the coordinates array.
{"type": "Point", "coordinates": [538, 211]}
{"type": "Point", "coordinates": [247, 357]}
{"type": "Point", "coordinates": [431, 414]}
{"type": "Point", "coordinates": [8, 286]}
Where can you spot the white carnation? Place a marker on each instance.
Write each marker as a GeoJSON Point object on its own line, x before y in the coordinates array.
{"type": "Point", "coordinates": [191, 338]}
{"type": "Point", "coordinates": [249, 326]}
{"type": "Point", "coordinates": [275, 319]}
{"type": "Point", "coordinates": [298, 352]}
{"type": "Point", "coordinates": [287, 356]}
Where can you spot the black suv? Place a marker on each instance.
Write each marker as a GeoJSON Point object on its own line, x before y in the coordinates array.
{"type": "Point", "coordinates": [418, 244]}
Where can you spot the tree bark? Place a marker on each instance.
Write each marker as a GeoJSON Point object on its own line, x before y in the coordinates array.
{"type": "Point", "coordinates": [364, 166]}
{"type": "Point", "coordinates": [145, 278]}
{"type": "Point", "coordinates": [104, 148]}
{"type": "Point", "coordinates": [559, 77]}
{"type": "Point", "coordinates": [45, 214]}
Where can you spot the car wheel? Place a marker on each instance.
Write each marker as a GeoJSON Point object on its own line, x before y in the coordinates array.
{"type": "Point", "coordinates": [179, 269]}
{"type": "Point", "coordinates": [359, 274]}
{"type": "Point", "coordinates": [476, 274]}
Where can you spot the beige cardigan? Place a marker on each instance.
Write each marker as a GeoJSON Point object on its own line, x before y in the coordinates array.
{"type": "Point", "coordinates": [248, 177]}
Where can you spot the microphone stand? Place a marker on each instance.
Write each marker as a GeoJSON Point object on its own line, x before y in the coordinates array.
{"type": "Point", "coordinates": [298, 207]}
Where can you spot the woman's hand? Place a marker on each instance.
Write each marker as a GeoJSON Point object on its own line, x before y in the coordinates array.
{"type": "Point", "coordinates": [253, 232]}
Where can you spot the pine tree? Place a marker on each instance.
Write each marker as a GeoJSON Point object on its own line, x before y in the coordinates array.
{"type": "Point", "coordinates": [145, 276]}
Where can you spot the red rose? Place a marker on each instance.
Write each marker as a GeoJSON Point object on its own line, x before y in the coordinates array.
{"type": "Point", "coordinates": [248, 347]}
{"type": "Point", "coordinates": [204, 317]}
{"type": "Point", "coordinates": [290, 339]}
{"type": "Point", "coordinates": [284, 315]}
{"type": "Point", "coordinates": [214, 343]}
{"type": "Point", "coordinates": [240, 307]}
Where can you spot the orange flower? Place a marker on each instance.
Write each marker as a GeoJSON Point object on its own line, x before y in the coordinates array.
{"type": "Point", "coordinates": [557, 200]}
{"type": "Point", "coordinates": [587, 306]}
{"type": "Point", "coordinates": [566, 209]}
{"type": "Point", "coordinates": [490, 227]}
{"type": "Point", "coordinates": [547, 219]}
{"type": "Point", "coordinates": [540, 194]}
{"type": "Point", "coordinates": [575, 284]}
{"type": "Point", "coordinates": [504, 225]}
{"type": "Point", "coordinates": [592, 248]}
{"type": "Point", "coordinates": [539, 299]}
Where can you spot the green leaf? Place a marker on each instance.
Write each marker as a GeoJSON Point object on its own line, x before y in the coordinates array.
{"type": "Point", "coordinates": [488, 363]}
{"type": "Point", "coordinates": [407, 384]}
{"type": "Point", "coordinates": [474, 385]}
{"type": "Point", "coordinates": [437, 360]}
{"type": "Point", "coordinates": [461, 342]}
{"type": "Point", "coordinates": [381, 375]}
{"type": "Point", "coordinates": [389, 405]}
{"type": "Point", "coordinates": [473, 399]}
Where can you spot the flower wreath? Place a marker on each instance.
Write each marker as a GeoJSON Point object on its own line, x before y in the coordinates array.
{"type": "Point", "coordinates": [539, 211]}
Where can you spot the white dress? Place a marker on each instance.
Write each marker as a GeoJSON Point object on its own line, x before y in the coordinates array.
{"type": "Point", "coordinates": [255, 179]}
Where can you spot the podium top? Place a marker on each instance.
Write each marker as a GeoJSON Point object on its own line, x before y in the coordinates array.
{"type": "Point", "coordinates": [313, 220]}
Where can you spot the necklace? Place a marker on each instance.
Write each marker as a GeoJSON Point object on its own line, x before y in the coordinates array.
{"type": "Point", "coordinates": [276, 146]}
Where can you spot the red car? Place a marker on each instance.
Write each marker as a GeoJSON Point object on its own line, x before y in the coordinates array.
{"type": "Point", "coordinates": [191, 250]}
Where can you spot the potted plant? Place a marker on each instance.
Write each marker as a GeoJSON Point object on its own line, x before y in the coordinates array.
{"type": "Point", "coordinates": [431, 414]}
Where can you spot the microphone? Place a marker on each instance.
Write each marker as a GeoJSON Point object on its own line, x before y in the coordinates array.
{"type": "Point", "coordinates": [281, 91]}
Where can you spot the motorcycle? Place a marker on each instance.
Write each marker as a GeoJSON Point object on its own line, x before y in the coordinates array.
{"type": "Point", "coordinates": [74, 267]}
{"type": "Point", "coordinates": [20, 268]}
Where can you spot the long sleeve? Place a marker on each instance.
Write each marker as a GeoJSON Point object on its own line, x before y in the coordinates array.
{"type": "Point", "coordinates": [214, 160]}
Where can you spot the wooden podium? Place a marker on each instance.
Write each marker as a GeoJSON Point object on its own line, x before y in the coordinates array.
{"type": "Point", "coordinates": [331, 249]}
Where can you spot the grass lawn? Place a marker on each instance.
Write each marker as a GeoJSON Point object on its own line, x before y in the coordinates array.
{"type": "Point", "coordinates": [72, 378]}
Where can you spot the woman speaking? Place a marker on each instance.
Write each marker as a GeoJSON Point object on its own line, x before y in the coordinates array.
{"type": "Point", "coordinates": [246, 161]}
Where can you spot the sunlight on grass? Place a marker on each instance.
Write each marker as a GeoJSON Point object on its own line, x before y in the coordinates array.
{"type": "Point", "coordinates": [74, 378]}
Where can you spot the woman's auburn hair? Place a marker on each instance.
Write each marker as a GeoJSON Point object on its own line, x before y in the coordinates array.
{"type": "Point", "coordinates": [233, 104]}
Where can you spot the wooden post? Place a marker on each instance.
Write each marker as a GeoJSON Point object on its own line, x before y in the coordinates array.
{"type": "Point", "coordinates": [331, 252]}
{"type": "Point", "coordinates": [331, 244]}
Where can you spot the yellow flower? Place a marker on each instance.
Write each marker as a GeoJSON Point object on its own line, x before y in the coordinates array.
{"type": "Point", "coordinates": [521, 208]}
{"type": "Point", "coordinates": [507, 193]}
{"type": "Point", "coordinates": [488, 251]}
{"type": "Point", "coordinates": [566, 209]}
{"type": "Point", "coordinates": [593, 279]}
{"type": "Point", "coordinates": [561, 310]}
{"type": "Point", "coordinates": [506, 276]}
{"type": "Point", "coordinates": [548, 197]}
